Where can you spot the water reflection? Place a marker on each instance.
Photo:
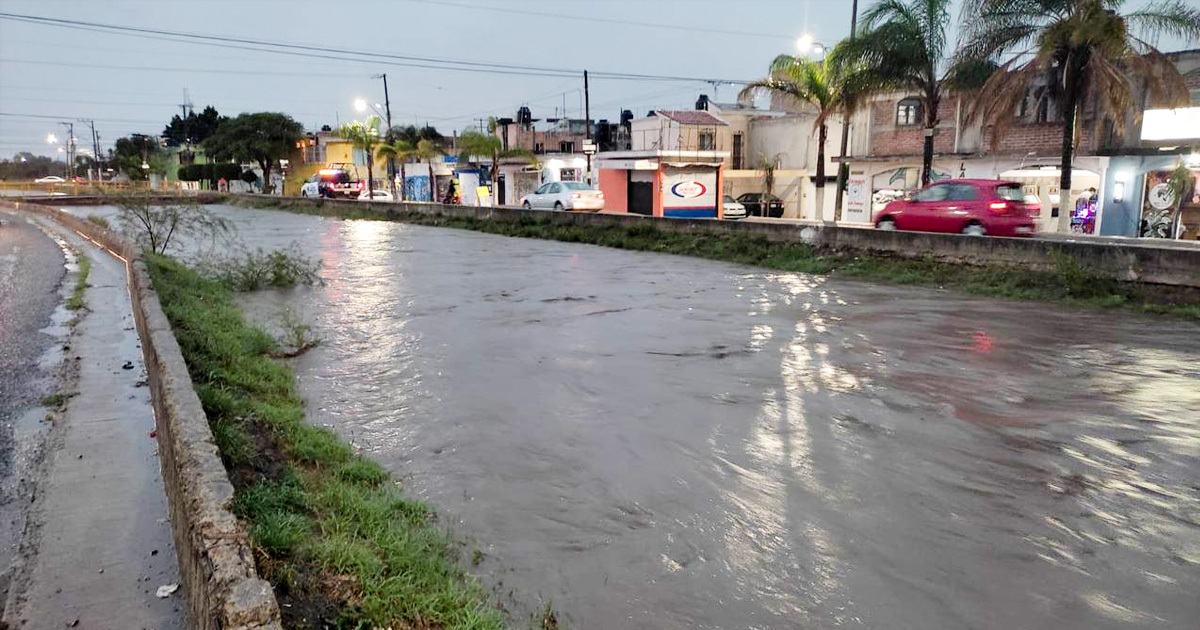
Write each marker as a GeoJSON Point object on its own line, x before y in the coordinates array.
{"type": "Point", "coordinates": [660, 442]}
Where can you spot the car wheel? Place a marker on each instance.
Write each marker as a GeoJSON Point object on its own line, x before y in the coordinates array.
{"type": "Point", "coordinates": [974, 229]}
{"type": "Point", "coordinates": [887, 224]}
{"type": "Point", "coordinates": [527, 206]}
{"type": "Point", "coordinates": [558, 206]}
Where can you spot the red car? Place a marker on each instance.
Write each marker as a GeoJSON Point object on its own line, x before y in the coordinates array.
{"type": "Point", "coordinates": [967, 206]}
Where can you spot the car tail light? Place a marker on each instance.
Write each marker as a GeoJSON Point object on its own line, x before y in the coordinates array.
{"type": "Point", "coordinates": [998, 206]}
{"type": "Point", "coordinates": [576, 196]}
{"type": "Point", "coordinates": [599, 195]}
{"type": "Point", "coordinates": [362, 185]}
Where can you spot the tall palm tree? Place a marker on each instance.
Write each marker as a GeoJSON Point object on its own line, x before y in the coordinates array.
{"type": "Point", "coordinates": [903, 47]}
{"type": "Point", "coordinates": [401, 151]}
{"type": "Point", "coordinates": [363, 135]}
{"type": "Point", "coordinates": [1083, 51]}
{"type": "Point", "coordinates": [806, 83]}
{"type": "Point", "coordinates": [427, 150]}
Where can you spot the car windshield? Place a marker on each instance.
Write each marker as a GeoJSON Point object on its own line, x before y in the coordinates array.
{"type": "Point", "coordinates": [576, 186]}
{"type": "Point", "coordinates": [1010, 193]}
{"type": "Point", "coordinates": [730, 199]}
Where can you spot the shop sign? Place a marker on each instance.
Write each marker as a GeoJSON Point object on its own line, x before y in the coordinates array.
{"type": "Point", "coordinates": [858, 193]}
{"type": "Point", "coordinates": [1161, 197]}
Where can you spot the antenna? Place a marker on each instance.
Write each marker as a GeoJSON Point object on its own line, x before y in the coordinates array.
{"type": "Point", "coordinates": [186, 105]}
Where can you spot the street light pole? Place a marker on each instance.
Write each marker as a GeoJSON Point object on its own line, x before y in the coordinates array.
{"type": "Point", "coordinates": [843, 166]}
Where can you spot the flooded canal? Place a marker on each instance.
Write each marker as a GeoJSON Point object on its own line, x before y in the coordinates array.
{"type": "Point", "coordinates": [650, 441]}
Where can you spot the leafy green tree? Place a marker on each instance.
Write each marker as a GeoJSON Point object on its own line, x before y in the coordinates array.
{"type": "Point", "coordinates": [263, 138]}
{"type": "Point", "coordinates": [363, 136]}
{"type": "Point", "coordinates": [401, 150]}
{"type": "Point", "coordinates": [812, 83]}
{"type": "Point", "coordinates": [193, 129]}
{"type": "Point", "coordinates": [903, 47]}
{"type": "Point", "coordinates": [25, 165]}
{"type": "Point", "coordinates": [132, 152]}
{"type": "Point", "coordinates": [1081, 51]}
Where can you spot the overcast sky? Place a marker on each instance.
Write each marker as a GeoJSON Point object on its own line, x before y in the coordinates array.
{"type": "Point", "coordinates": [131, 84]}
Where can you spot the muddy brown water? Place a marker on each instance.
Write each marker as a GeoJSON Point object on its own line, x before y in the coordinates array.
{"type": "Point", "coordinates": [649, 441]}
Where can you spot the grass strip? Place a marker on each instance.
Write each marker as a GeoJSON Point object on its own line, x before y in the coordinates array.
{"type": "Point", "coordinates": [331, 530]}
{"type": "Point", "coordinates": [1067, 283]}
{"type": "Point", "coordinates": [75, 302]}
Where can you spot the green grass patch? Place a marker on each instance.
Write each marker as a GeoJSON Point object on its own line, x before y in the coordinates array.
{"type": "Point", "coordinates": [1067, 283]}
{"type": "Point", "coordinates": [75, 302]}
{"type": "Point", "coordinates": [98, 220]}
{"type": "Point", "coordinates": [332, 532]}
{"type": "Point", "coordinates": [56, 400]}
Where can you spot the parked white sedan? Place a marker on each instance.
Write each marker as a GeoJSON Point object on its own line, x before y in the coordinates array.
{"type": "Point", "coordinates": [564, 196]}
{"type": "Point", "coordinates": [379, 195]}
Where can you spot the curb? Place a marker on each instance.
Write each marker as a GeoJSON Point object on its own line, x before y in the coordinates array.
{"type": "Point", "coordinates": [216, 562]}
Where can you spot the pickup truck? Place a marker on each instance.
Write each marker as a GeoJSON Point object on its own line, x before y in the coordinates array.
{"type": "Point", "coordinates": [333, 182]}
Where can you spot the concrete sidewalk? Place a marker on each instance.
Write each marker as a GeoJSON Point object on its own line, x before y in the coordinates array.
{"type": "Point", "coordinates": [99, 543]}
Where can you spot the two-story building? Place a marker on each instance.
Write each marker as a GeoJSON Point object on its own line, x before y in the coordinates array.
{"type": "Point", "coordinates": [1111, 172]}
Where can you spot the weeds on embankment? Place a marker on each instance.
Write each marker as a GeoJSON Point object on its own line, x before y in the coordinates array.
{"type": "Point", "coordinates": [1068, 282]}
{"type": "Point", "coordinates": [76, 302]}
{"type": "Point", "coordinates": [332, 532]}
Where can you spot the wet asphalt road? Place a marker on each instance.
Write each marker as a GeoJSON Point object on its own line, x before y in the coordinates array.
{"type": "Point", "coordinates": [661, 442]}
{"type": "Point", "coordinates": [31, 268]}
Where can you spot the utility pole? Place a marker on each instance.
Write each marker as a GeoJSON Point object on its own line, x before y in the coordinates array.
{"type": "Point", "coordinates": [843, 166]}
{"type": "Point", "coordinates": [70, 149]}
{"type": "Point", "coordinates": [95, 146]}
{"type": "Point", "coordinates": [387, 109]}
{"type": "Point", "coordinates": [587, 119]}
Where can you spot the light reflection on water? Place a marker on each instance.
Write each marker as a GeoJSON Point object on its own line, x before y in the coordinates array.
{"type": "Point", "coordinates": [661, 442]}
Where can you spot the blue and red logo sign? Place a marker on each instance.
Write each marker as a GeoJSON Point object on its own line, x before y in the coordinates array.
{"type": "Point", "coordinates": [689, 190]}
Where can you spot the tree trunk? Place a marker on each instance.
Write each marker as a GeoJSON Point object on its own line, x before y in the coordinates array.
{"type": "Point", "coordinates": [1068, 153]}
{"type": "Point", "coordinates": [370, 175]}
{"type": "Point", "coordinates": [822, 136]}
{"type": "Point", "coordinates": [933, 101]}
{"type": "Point", "coordinates": [432, 184]}
{"type": "Point", "coordinates": [266, 169]}
{"type": "Point", "coordinates": [843, 169]}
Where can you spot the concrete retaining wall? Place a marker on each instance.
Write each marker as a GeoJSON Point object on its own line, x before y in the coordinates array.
{"type": "Point", "coordinates": [1170, 263]}
{"type": "Point", "coordinates": [223, 589]}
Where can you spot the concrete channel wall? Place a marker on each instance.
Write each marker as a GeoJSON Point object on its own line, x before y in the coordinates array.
{"type": "Point", "coordinates": [223, 589]}
{"type": "Point", "coordinates": [1168, 264]}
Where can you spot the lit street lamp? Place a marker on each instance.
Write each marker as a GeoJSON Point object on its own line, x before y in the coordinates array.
{"type": "Point", "coordinates": [361, 105]}
{"type": "Point", "coordinates": [805, 44]}
{"type": "Point", "coordinates": [51, 138]}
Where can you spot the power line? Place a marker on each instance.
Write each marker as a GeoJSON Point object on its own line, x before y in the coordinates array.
{"type": "Point", "coordinates": [600, 20]}
{"type": "Point", "coordinates": [322, 52]}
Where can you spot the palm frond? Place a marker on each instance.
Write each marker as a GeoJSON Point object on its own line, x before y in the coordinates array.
{"type": "Point", "coordinates": [1174, 18]}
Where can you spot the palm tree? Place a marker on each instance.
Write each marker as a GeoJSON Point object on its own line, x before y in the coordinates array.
{"type": "Point", "coordinates": [806, 82]}
{"type": "Point", "coordinates": [475, 144]}
{"type": "Point", "coordinates": [427, 150]}
{"type": "Point", "coordinates": [1083, 51]}
{"type": "Point", "coordinates": [902, 47]}
{"type": "Point", "coordinates": [400, 150]}
{"type": "Point", "coordinates": [363, 135]}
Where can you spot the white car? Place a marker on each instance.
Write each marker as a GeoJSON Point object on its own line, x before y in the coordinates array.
{"type": "Point", "coordinates": [564, 196]}
{"type": "Point", "coordinates": [379, 195]}
{"type": "Point", "coordinates": [51, 179]}
{"type": "Point", "coordinates": [733, 209]}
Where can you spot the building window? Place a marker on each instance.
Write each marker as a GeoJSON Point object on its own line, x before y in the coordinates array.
{"type": "Point", "coordinates": [908, 112]}
{"type": "Point", "coordinates": [707, 141]}
{"type": "Point", "coordinates": [737, 151]}
{"type": "Point", "coordinates": [566, 147]}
